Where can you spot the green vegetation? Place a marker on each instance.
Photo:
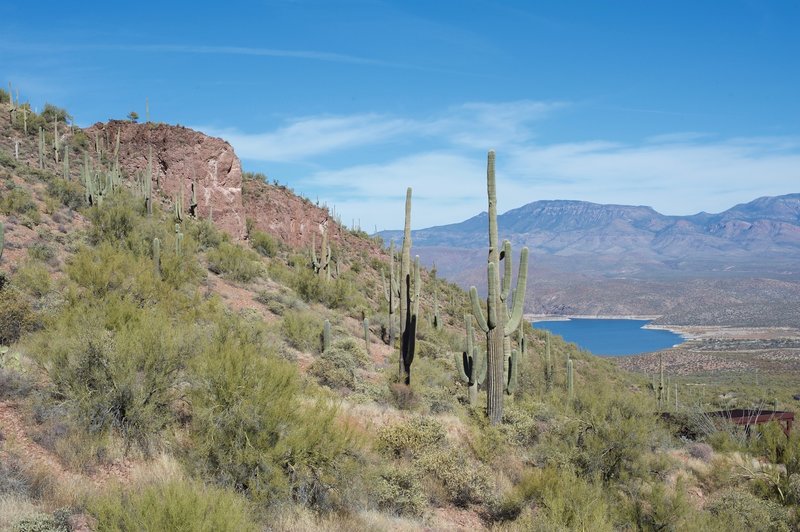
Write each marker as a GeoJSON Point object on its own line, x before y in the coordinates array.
{"type": "Point", "coordinates": [118, 351]}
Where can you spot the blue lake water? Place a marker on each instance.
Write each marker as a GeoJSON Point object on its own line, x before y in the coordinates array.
{"type": "Point", "coordinates": [612, 337]}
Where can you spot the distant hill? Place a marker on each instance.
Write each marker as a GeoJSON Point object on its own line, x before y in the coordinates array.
{"type": "Point", "coordinates": [590, 258]}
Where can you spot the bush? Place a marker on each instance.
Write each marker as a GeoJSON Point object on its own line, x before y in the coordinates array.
{"type": "Point", "coordinates": [41, 251]}
{"type": "Point", "coordinates": [115, 220]}
{"type": "Point", "coordinates": [205, 233]}
{"type": "Point", "coordinates": [19, 201]}
{"type": "Point", "coordinates": [564, 501]}
{"type": "Point", "coordinates": [33, 277]}
{"type": "Point", "coordinates": [235, 262]}
{"type": "Point", "coordinates": [263, 243]}
{"type": "Point", "coordinates": [43, 523]}
{"type": "Point", "coordinates": [16, 315]}
{"type": "Point", "coordinates": [176, 505]}
{"type": "Point", "coordinates": [336, 368]}
{"type": "Point", "coordinates": [411, 438]}
{"type": "Point", "coordinates": [69, 193]}
{"type": "Point", "coordinates": [252, 430]}
{"type": "Point", "coordinates": [302, 330]}
{"type": "Point", "coordinates": [115, 367]}
{"type": "Point", "coordinates": [741, 510]}
{"type": "Point", "coordinates": [398, 490]}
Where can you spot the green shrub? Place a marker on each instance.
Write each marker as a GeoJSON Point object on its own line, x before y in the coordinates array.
{"type": "Point", "coordinates": [302, 330]}
{"type": "Point", "coordinates": [115, 366]}
{"type": "Point", "coordinates": [16, 315]}
{"type": "Point", "coordinates": [744, 511]}
{"type": "Point", "coordinates": [399, 490]}
{"type": "Point", "coordinates": [176, 505]}
{"type": "Point", "coordinates": [251, 429]}
{"type": "Point", "coordinates": [115, 220]}
{"type": "Point", "coordinates": [263, 243]}
{"type": "Point", "coordinates": [51, 113]}
{"type": "Point", "coordinates": [42, 523]}
{"type": "Point", "coordinates": [69, 193]}
{"type": "Point", "coordinates": [205, 233]}
{"type": "Point", "coordinates": [411, 437]}
{"type": "Point", "coordinates": [33, 277]}
{"type": "Point", "coordinates": [234, 262]}
{"type": "Point", "coordinates": [19, 201]}
{"type": "Point", "coordinates": [461, 480]}
{"type": "Point", "coordinates": [564, 501]}
{"type": "Point", "coordinates": [41, 251]}
{"type": "Point", "coordinates": [336, 367]}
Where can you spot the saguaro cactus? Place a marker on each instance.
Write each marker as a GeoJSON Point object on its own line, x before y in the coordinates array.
{"type": "Point", "coordinates": [548, 363]}
{"type": "Point", "coordinates": [178, 240]}
{"type": "Point", "coordinates": [193, 203]}
{"type": "Point", "coordinates": [498, 324]}
{"type": "Point", "coordinates": [471, 365]}
{"type": "Point", "coordinates": [409, 298]}
{"type": "Point", "coordinates": [148, 183]}
{"type": "Point", "coordinates": [661, 382]}
{"type": "Point", "coordinates": [41, 147]}
{"type": "Point", "coordinates": [322, 264]}
{"type": "Point", "coordinates": [2, 239]}
{"type": "Point", "coordinates": [391, 292]}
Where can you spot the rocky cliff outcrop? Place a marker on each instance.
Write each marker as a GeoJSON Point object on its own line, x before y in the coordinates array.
{"type": "Point", "coordinates": [182, 156]}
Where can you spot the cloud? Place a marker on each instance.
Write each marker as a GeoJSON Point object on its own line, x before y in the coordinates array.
{"type": "Point", "coordinates": [443, 158]}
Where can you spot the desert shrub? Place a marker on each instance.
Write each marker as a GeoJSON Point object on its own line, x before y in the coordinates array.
{"type": "Point", "coordinates": [398, 490]}
{"type": "Point", "coordinates": [281, 301]}
{"type": "Point", "coordinates": [33, 277]}
{"type": "Point", "coordinates": [740, 510]}
{"type": "Point", "coordinates": [701, 451]}
{"type": "Point", "coordinates": [13, 479]}
{"type": "Point", "coordinates": [179, 505]}
{"type": "Point", "coordinates": [115, 220]}
{"type": "Point", "coordinates": [460, 480]}
{"type": "Point", "coordinates": [16, 315]}
{"type": "Point", "coordinates": [41, 251]}
{"type": "Point", "coordinates": [234, 262]}
{"type": "Point", "coordinates": [51, 113]}
{"type": "Point", "coordinates": [654, 507]}
{"type": "Point", "coordinates": [252, 430]}
{"type": "Point", "coordinates": [43, 523]}
{"type": "Point", "coordinates": [69, 193]}
{"type": "Point", "coordinates": [335, 293]}
{"type": "Point", "coordinates": [205, 233]}
{"type": "Point", "coordinates": [564, 501]}
{"type": "Point", "coordinates": [115, 366]}
{"type": "Point", "coordinates": [403, 397]}
{"type": "Point", "coordinates": [263, 243]}
{"type": "Point", "coordinates": [337, 367]}
{"type": "Point", "coordinates": [5, 97]}
{"type": "Point", "coordinates": [19, 201]}
{"type": "Point", "coordinates": [105, 269]}
{"type": "Point", "coordinates": [302, 330]}
{"type": "Point", "coordinates": [410, 438]}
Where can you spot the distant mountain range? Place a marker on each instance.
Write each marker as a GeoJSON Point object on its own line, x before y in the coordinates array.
{"type": "Point", "coordinates": [578, 248]}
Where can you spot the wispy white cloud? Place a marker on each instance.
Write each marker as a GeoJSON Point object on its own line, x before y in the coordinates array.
{"type": "Point", "coordinates": [443, 158]}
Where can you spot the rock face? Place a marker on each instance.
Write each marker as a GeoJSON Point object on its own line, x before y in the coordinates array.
{"type": "Point", "coordinates": [182, 156]}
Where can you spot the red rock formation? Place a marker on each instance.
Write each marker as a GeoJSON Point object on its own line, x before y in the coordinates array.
{"type": "Point", "coordinates": [182, 156]}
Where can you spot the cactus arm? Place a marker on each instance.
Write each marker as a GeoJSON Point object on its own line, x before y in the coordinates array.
{"type": "Point", "coordinates": [461, 365]}
{"type": "Point", "coordinates": [522, 282]}
{"type": "Point", "coordinates": [477, 311]}
{"type": "Point", "coordinates": [480, 374]}
{"type": "Point", "coordinates": [511, 385]}
{"type": "Point", "coordinates": [491, 307]}
{"type": "Point", "coordinates": [505, 257]}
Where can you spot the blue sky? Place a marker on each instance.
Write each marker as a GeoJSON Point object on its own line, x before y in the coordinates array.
{"type": "Point", "coordinates": [681, 105]}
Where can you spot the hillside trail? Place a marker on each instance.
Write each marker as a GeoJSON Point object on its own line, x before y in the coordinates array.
{"type": "Point", "coordinates": [15, 440]}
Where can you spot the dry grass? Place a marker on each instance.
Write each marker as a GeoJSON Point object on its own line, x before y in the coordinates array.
{"type": "Point", "coordinates": [14, 508]}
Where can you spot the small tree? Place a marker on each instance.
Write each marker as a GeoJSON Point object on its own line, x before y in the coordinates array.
{"type": "Point", "coordinates": [133, 116]}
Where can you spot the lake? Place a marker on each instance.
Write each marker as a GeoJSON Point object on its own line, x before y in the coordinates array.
{"type": "Point", "coordinates": [612, 337]}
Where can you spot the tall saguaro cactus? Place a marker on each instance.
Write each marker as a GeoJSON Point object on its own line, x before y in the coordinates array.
{"type": "Point", "coordinates": [391, 292]}
{"type": "Point", "coordinates": [471, 365]}
{"type": "Point", "coordinates": [321, 265]}
{"type": "Point", "coordinates": [409, 299]}
{"type": "Point", "coordinates": [570, 379]}
{"type": "Point", "coordinates": [548, 363]}
{"type": "Point", "coordinates": [498, 324]}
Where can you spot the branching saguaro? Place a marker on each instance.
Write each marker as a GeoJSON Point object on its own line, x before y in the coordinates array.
{"type": "Point", "coordinates": [321, 265]}
{"type": "Point", "coordinates": [471, 364]}
{"type": "Point", "coordinates": [391, 292]}
{"type": "Point", "coordinates": [409, 299]}
{"type": "Point", "coordinates": [499, 324]}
